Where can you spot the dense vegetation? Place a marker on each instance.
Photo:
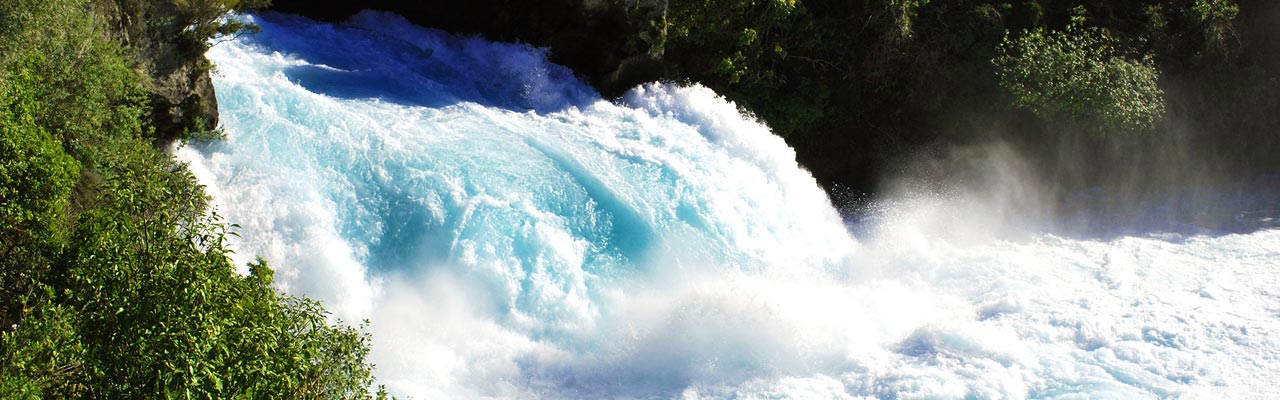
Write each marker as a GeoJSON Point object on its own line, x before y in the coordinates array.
{"type": "Point", "coordinates": [115, 280]}
{"type": "Point", "coordinates": [1074, 77]}
{"type": "Point", "coordinates": [856, 86]}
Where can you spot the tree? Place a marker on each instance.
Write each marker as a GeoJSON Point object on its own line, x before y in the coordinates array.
{"type": "Point", "coordinates": [1079, 76]}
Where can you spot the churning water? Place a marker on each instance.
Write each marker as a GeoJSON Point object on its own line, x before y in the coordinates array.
{"type": "Point", "coordinates": [509, 234]}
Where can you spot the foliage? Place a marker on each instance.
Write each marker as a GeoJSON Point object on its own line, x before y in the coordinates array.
{"type": "Point", "coordinates": [1216, 17]}
{"type": "Point", "coordinates": [36, 108]}
{"type": "Point", "coordinates": [1078, 76]}
{"type": "Point", "coordinates": [116, 282]}
{"type": "Point", "coordinates": [44, 358]}
{"type": "Point", "coordinates": [900, 15]}
{"type": "Point", "coordinates": [736, 35]}
{"type": "Point", "coordinates": [773, 57]}
{"type": "Point", "coordinates": [79, 84]}
{"type": "Point", "coordinates": [855, 87]}
{"type": "Point", "coordinates": [176, 321]}
{"type": "Point", "coordinates": [36, 178]}
{"type": "Point", "coordinates": [204, 19]}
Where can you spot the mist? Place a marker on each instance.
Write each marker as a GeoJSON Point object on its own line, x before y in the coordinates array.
{"type": "Point", "coordinates": [1085, 185]}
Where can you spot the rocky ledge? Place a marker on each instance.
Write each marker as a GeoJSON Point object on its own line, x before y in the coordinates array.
{"type": "Point", "coordinates": [172, 66]}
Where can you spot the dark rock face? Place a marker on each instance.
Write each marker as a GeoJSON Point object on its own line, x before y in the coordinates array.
{"type": "Point", "coordinates": [182, 101]}
{"type": "Point", "coordinates": [613, 44]}
{"type": "Point", "coordinates": [174, 70]}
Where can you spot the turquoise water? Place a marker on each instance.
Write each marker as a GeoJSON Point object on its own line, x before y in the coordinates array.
{"type": "Point", "coordinates": [510, 234]}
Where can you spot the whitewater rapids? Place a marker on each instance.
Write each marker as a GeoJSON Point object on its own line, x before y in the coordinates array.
{"type": "Point", "coordinates": [509, 234]}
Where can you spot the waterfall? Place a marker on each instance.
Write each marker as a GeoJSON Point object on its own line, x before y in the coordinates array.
{"type": "Point", "coordinates": [510, 234]}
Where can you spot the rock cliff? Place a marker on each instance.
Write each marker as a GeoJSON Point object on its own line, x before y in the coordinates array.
{"type": "Point", "coordinates": [171, 64]}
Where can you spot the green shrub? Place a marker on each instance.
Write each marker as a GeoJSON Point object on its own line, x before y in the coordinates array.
{"type": "Point", "coordinates": [1079, 76]}
{"type": "Point", "coordinates": [115, 282]}
{"type": "Point", "coordinates": [733, 39]}
{"type": "Point", "coordinates": [164, 315]}
{"type": "Point", "coordinates": [1216, 18]}
{"type": "Point", "coordinates": [201, 20]}
{"type": "Point", "coordinates": [81, 86]}
{"type": "Point", "coordinates": [44, 359]}
{"type": "Point", "coordinates": [36, 179]}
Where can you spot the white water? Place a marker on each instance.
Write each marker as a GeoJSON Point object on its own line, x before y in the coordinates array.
{"type": "Point", "coordinates": [511, 235]}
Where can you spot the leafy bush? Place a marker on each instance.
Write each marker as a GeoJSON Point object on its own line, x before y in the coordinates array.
{"type": "Point", "coordinates": [855, 87]}
{"type": "Point", "coordinates": [36, 178]}
{"type": "Point", "coordinates": [114, 279]}
{"type": "Point", "coordinates": [42, 359]}
{"type": "Point", "coordinates": [202, 20]}
{"type": "Point", "coordinates": [732, 37]}
{"type": "Point", "coordinates": [80, 86]}
{"type": "Point", "coordinates": [1079, 76]}
{"type": "Point", "coordinates": [1216, 18]}
{"type": "Point", "coordinates": [165, 315]}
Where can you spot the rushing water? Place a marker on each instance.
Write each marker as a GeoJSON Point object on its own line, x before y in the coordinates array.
{"type": "Point", "coordinates": [509, 234]}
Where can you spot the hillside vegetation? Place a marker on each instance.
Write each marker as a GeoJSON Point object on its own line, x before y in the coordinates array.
{"type": "Point", "coordinates": [857, 86]}
{"type": "Point", "coordinates": [114, 275]}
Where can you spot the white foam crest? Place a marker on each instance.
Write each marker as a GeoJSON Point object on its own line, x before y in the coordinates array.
{"type": "Point", "coordinates": [789, 232]}
{"type": "Point", "coordinates": [298, 221]}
